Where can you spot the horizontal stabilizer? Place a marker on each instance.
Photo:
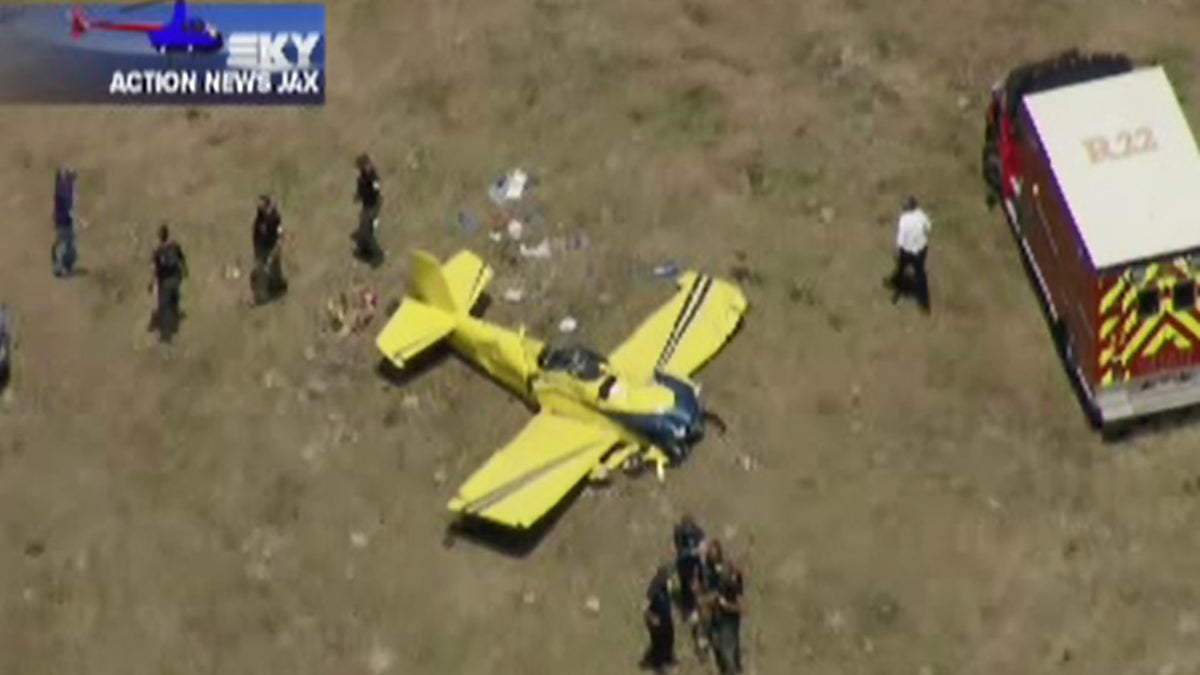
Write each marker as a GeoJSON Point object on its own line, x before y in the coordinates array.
{"type": "Point", "coordinates": [414, 328]}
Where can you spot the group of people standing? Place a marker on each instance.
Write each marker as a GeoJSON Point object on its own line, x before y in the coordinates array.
{"type": "Point", "coordinates": [169, 262]}
{"type": "Point", "coordinates": [708, 589]}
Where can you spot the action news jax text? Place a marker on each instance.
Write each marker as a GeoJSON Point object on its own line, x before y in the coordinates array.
{"type": "Point", "coordinates": [258, 63]}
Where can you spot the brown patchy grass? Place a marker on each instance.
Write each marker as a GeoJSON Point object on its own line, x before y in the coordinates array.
{"type": "Point", "coordinates": [928, 501]}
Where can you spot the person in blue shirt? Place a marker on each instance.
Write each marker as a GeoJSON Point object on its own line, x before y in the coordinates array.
{"type": "Point", "coordinates": [63, 254]}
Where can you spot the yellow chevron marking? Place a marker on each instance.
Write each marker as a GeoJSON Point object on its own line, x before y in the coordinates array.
{"type": "Point", "coordinates": [1127, 301]}
{"type": "Point", "coordinates": [1106, 356]}
{"type": "Point", "coordinates": [1107, 378]}
{"type": "Point", "coordinates": [1130, 322]}
{"type": "Point", "coordinates": [1189, 322]}
{"type": "Point", "coordinates": [1160, 338]}
{"type": "Point", "coordinates": [1151, 272]}
{"type": "Point", "coordinates": [1109, 325]}
{"type": "Point", "coordinates": [1110, 298]}
{"type": "Point", "coordinates": [1135, 344]}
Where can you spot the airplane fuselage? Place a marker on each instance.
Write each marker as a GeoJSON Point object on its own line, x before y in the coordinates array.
{"type": "Point", "coordinates": [664, 412]}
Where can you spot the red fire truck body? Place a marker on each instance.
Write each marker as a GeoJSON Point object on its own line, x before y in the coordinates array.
{"type": "Point", "coordinates": [1099, 175]}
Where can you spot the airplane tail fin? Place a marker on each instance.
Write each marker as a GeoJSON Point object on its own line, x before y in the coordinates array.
{"type": "Point", "coordinates": [454, 286]}
{"type": "Point", "coordinates": [440, 296]}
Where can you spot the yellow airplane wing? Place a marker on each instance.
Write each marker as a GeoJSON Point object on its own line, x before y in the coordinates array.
{"type": "Point", "coordinates": [529, 476]}
{"type": "Point", "coordinates": [682, 335]}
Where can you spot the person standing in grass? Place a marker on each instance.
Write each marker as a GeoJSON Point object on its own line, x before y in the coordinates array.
{"type": "Point", "coordinates": [63, 253]}
{"type": "Point", "coordinates": [659, 622]}
{"type": "Point", "coordinates": [912, 244]}
{"type": "Point", "coordinates": [369, 195]}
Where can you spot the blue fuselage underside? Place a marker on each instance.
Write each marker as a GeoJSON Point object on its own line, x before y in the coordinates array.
{"type": "Point", "coordinates": [682, 423]}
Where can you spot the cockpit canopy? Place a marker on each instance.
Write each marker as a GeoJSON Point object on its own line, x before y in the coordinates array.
{"type": "Point", "coordinates": [580, 362]}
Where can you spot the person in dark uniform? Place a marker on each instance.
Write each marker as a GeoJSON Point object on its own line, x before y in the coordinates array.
{"type": "Point", "coordinates": [726, 620]}
{"type": "Point", "coordinates": [63, 254]}
{"type": "Point", "coordinates": [370, 199]}
{"type": "Point", "coordinates": [708, 578]}
{"type": "Point", "coordinates": [688, 540]}
{"type": "Point", "coordinates": [267, 280]}
{"type": "Point", "coordinates": [7, 342]}
{"type": "Point", "coordinates": [170, 269]}
{"type": "Point", "coordinates": [659, 622]}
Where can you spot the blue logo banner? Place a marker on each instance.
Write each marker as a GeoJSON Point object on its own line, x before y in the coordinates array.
{"type": "Point", "coordinates": [166, 53]}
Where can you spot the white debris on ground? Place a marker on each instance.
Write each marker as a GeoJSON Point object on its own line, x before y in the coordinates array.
{"type": "Point", "coordinates": [232, 272]}
{"type": "Point", "coordinates": [592, 605]}
{"type": "Point", "coordinates": [529, 598]}
{"type": "Point", "coordinates": [515, 229]}
{"type": "Point", "coordinates": [440, 476]}
{"type": "Point", "coordinates": [509, 187]}
{"type": "Point", "coordinates": [541, 251]}
{"type": "Point", "coordinates": [568, 325]}
{"type": "Point", "coordinates": [358, 539]}
{"type": "Point", "coordinates": [380, 660]}
{"type": "Point", "coordinates": [312, 454]}
{"type": "Point", "coordinates": [513, 295]}
{"type": "Point", "coordinates": [835, 620]}
{"type": "Point", "coordinates": [271, 379]}
{"type": "Point", "coordinates": [668, 270]}
{"type": "Point", "coordinates": [748, 462]}
{"type": "Point", "coordinates": [261, 547]}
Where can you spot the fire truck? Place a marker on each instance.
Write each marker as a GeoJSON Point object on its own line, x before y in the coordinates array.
{"type": "Point", "coordinates": [1098, 172]}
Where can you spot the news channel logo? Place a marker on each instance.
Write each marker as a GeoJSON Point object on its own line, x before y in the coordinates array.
{"type": "Point", "coordinates": [163, 53]}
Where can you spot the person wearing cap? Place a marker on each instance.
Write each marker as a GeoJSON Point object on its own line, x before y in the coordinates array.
{"type": "Point", "coordinates": [369, 196]}
{"type": "Point", "coordinates": [912, 243]}
{"type": "Point", "coordinates": [63, 253]}
{"type": "Point", "coordinates": [267, 281]}
{"type": "Point", "coordinates": [659, 623]}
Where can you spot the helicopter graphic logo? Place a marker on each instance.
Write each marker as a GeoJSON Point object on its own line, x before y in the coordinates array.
{"type": "Point", "coordinates": [182, 34]}
{"type": "Point", "coordinates": [163, 52]}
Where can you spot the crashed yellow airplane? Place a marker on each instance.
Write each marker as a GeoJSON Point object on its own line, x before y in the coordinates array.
{"type": "Point", "coordinates": [594, 415]}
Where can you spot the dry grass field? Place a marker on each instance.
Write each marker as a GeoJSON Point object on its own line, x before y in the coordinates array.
{"type": "Point", "coordinates": [907, 495]}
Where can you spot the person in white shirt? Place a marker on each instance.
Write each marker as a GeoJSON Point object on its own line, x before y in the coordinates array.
{"type": "Point", "coordinates": [912, 242]}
